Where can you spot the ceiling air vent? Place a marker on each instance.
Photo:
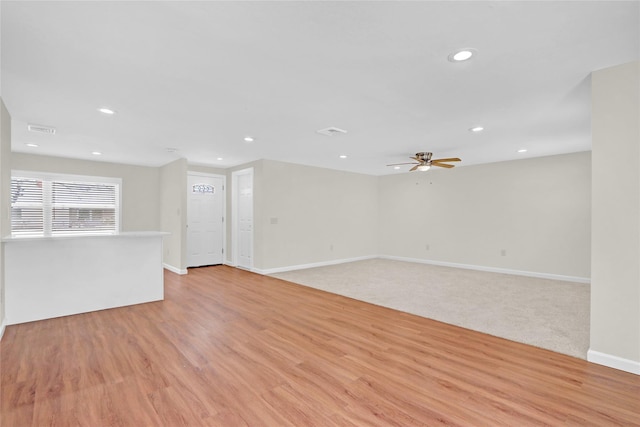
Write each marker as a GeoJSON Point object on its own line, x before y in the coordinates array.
{"type": "Point", "coordinates": [42, 129]}
{"type": "Point", "coordinates": [331, 131]}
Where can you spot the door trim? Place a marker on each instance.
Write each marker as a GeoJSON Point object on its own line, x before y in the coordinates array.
{"type": "Point", "coordinates": [224, 207]}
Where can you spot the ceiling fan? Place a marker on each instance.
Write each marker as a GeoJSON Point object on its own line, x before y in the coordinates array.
{"type": "Point", "coordinates": [424, 162]}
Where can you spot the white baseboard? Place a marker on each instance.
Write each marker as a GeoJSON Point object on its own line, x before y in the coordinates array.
{"type": "Point", "coordinates": [585, 280]}
{"type": "Point", "coordinates": [230, 264]}
{"type": "Point", "coordinates": [3, 324]}
{"type": "Point", "coordinates": [312, 265]}
{"type": "Point", "coordinates": [614, 362]}
{"type": "Point", "coordinates": [174, 269]}
{"type": "Point", "coordinates": [576, 279]}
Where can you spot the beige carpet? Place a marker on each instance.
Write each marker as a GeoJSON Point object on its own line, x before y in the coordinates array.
{"type": "Point", "coordinates": [545, 313]}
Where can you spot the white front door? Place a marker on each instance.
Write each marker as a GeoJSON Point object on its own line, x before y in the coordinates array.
{"type": "Point", "coordinates": [205, 219]}
{"type": "Point", "coordinates": [243, 215]}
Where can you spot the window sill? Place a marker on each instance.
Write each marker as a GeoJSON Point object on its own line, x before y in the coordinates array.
{"type": "Point", "coordinates": [8, 239]}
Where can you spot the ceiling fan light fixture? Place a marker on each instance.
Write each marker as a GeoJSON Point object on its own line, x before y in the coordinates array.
{"type": "Point", "coordinates": [424, 168]}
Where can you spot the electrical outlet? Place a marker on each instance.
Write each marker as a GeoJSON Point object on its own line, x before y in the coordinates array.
{"type": "Point", "coordinates": [503, 252]}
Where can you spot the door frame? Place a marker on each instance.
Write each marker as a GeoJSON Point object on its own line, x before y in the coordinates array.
{"type": "Point", "coordinates": [234, 215]}
{"type": "Point", "coordinates": [224, 209]}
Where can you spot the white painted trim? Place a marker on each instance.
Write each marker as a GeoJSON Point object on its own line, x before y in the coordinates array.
{"type": "Point", "coordinates": [3, 324]}
{"type": "Point", "coordinates": [584, 280]}
{"type": "Point", "coordinates": [576, 279]}
{"type": "Point", "coordinates": [174, 269]}
{"type": "Point", "coordinates": [214, 175]}
{"type": "Point", "coordinates": [312, 265]}
{"type": "Point", "coordinates": [614, 362]}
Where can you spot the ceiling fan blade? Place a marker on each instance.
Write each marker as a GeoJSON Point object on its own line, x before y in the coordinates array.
{"type": "Point", "coordinates": [413, 168]}
{"type": "Point", "coordinates": [441, 165]}
{"type": "Point", "coordinates": [398, 164]}
{"type": "Point", "coordinates": [450, 159]}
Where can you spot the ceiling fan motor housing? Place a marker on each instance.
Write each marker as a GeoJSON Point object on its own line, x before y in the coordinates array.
{"type": "Point", "coordinates": [424, 156]}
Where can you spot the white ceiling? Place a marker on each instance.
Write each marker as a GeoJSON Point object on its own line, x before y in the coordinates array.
{"type": "Point", "coordinates": [200, 76]}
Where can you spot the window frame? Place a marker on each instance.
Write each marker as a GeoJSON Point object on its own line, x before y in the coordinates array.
{"type": "Point", "coordinates": [47, 178]}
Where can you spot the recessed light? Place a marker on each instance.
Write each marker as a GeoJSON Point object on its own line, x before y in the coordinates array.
{"type": "Point", "coordinates": [396, 167]}
{"type": "Point", "coordinates": [476, 129]}
{"type": "Point", "coordinates": [522, 150]}
{"type": "Point", "coordinates": [219, 158]}
{"type": "Point", "coordinates": [96, 153]}
{"type": "Point", "coordinates": [331, 131]}
{"type": "Point", "coordinates": [462, 55]}
{"type": "Point", "coordinates": [342, 156]}
{"type": "Point", "coordinates": [248, 139]}
{"type": "Point", "coordinates": [171, 150]}
{"type": "Point", "coordinates": [32, 145]}
{"type": "Point", "coordinates": [106, 110]}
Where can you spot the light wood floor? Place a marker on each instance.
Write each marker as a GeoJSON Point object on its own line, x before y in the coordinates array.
{"type": "Point", "coordinates": [231, 348]}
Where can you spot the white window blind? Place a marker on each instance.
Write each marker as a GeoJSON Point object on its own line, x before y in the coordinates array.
{"type": "Point", "coordinates": [51, 206]}
{"type": "Point", "coordinates": [27, 214]}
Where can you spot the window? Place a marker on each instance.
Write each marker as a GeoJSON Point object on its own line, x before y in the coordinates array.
{"type": "Point", "coordinates": [55, 205]}
{"type": "Point", "coordinates": [203, 189]}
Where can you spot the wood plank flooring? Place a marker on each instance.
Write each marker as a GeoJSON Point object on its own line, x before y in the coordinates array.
{"type": "Point", "coordinates": [231, 348]}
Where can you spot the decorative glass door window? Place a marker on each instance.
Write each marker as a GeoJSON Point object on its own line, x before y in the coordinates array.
{"type": "Point", "coordinates": [203, 188]}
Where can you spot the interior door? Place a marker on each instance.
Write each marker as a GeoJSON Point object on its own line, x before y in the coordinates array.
{"type": "Point", "coordinates": [205, 219]}
{"type": "Point", "coordinates": [245, 220]}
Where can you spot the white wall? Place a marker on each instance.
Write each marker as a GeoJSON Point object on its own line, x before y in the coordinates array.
{"type": "Point", "coordinates": [173, 214]}
{"type": "Point", "coordinates": [206, 169]}
{"type": "Point", "coordinates": [140, 185]}
{"type": "Point", "coordinates": [153, 199]}
{"type": "Point", "coordinates": [79, 274]}
{"type": "Point", "coordinates": [5, 171]}
{"type": "Point", "coordinates": [5, 196]}
{"type": "Point", "coordinates": [536, 210]}
{"type": "Point", "coordinates": [615, 286]}
{"type": "Point", "coordinates": [305, 215]}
